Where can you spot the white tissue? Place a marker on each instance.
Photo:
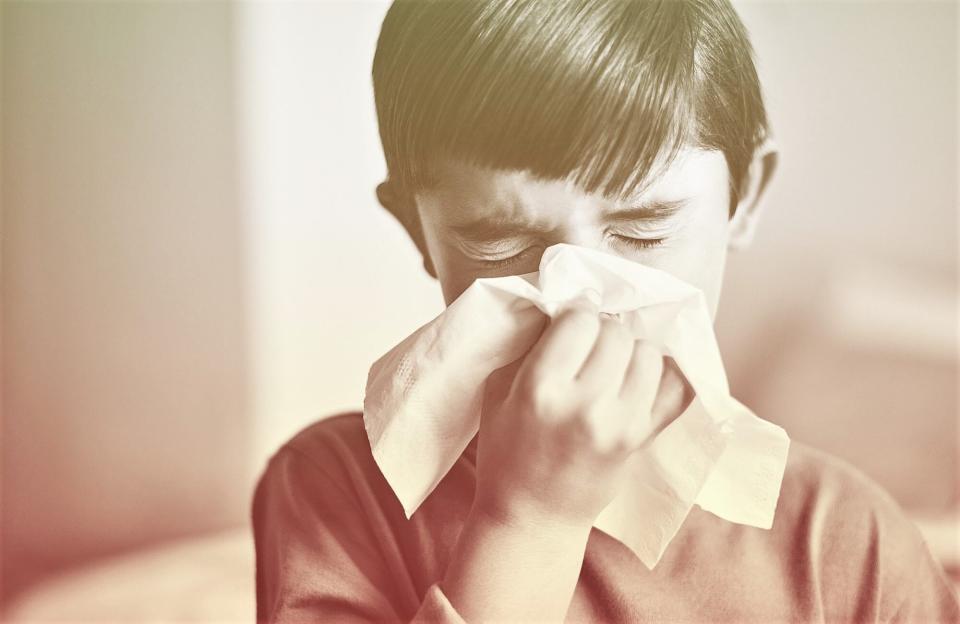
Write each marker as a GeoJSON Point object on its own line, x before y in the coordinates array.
{"type": "Point", "coordinates": [423, 397]}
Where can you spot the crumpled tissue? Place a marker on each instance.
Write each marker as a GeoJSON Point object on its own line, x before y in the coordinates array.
{"type": "Point", "coordinates": [424, 397]}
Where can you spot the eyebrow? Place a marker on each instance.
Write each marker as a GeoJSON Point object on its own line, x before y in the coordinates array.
{"type": "Point", "coordinates": [647, 211]}
{"type": "Point", "coordinates": [486, 229]}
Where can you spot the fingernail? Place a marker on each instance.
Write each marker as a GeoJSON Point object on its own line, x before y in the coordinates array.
{"type": "Point", "coordinates": [613, 316]}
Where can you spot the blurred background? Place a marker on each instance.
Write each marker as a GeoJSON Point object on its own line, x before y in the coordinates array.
{"type": "Point", "coordinates": [195, 267]}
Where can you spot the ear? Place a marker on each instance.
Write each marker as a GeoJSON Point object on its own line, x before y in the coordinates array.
{"type": "Point", "coordinates": [404, 208]}
{"type": "Point", "coordinates": [749, 206]}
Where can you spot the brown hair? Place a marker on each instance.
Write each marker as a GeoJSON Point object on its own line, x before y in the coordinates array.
{"type": "Point", "coordinates": [595, 90]}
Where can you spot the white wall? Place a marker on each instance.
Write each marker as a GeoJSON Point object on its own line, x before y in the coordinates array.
{"type": "Point", "coordinates": [334, 281]}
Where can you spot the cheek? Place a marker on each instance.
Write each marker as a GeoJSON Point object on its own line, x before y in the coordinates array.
{"type": "Point", "coordinates": [454, 274]}
{"type": "Point", "coordinates": [697, 256]}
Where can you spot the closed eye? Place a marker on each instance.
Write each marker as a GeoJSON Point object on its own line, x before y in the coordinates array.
{"type": "Point", "coordinates": [638, 243]}
{"type": "Point", "coordinates": [511, 260]}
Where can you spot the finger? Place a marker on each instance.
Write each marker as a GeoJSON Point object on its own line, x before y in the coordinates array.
{"type": "Point", "coordinates": [565, 343]}
{"type": "Point", "coordinates": [607, 361]}
{"type": "Point", "coordinates": [673, 397]}
{"type": "Point", "coordinates": [515, 333]}
{"type": "Point", "coordinates": [498, 384]}
{"type": "Point", "coordinates": [642, 378]}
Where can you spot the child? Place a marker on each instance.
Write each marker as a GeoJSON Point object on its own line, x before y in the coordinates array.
{"type": "Point", "coordinates": [633, 127]}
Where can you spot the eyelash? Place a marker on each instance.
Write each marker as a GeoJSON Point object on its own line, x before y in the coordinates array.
{"type": "Point", "coordinates": [505, 262]}
{"type": "Point", "coordinates": [639, 243]}
{"type": "Point", "coordinates": [636, 243]}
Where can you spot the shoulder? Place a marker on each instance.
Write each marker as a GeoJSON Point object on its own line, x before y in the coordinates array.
{"type": "Point", "coordinates": [328, 463]}
{"type": "Point", "coordinates": [329, 437]}
{"type": "Point", "coordinates": [332, 444]}
{"type": "Point", "coordinates": [840, 508]}
{"type": "Point", "coordinates": [325, 481]}
{"type": "Point", "coordinates": [826, 510]}
{"type": "Point", "coordinates": [324, 528]}
{"type": "Point", "coordinates": [840, 549]}
{"type": "Point", "coordinates": [827, 493]}
{"type": "Point", "coordinates": [815, 476]}
{"type": "Point", "coordinates": [853, 535]}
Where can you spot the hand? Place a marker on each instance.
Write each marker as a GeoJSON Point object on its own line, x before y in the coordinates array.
{"type": "Point", "coordinates": [559, 424]}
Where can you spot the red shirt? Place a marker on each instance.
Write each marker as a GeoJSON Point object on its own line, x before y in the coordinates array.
{"type": "Point", "coordinates": [333, 545]}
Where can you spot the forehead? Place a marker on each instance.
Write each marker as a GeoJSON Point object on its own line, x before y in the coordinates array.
{"type": "Point", "coordinates": [462, 190]}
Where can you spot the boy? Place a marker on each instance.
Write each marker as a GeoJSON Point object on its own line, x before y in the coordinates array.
{"type": "Point", "coordinates": [633, 127]}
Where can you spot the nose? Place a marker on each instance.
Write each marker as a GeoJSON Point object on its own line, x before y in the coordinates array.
{"type": "Point", "coordinates": [581, 229]}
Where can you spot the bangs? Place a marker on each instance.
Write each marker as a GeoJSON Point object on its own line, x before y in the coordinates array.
{"type": "Point", "coordinates": [599, 92]}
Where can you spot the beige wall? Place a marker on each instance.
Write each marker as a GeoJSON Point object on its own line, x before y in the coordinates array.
{"type": "Point", "coordinates": [124, 355]}
{"type": "Point", "coordinates": [841, 321]}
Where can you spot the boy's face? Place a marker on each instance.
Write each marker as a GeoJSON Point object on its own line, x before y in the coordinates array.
{"type": "Point", "coordinates": [485, 223]}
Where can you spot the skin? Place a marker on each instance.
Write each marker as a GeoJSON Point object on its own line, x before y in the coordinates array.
{"type": "Point", "coordinates": [559, 423]}
{"type": "Point", "coordinates": [690, 244]}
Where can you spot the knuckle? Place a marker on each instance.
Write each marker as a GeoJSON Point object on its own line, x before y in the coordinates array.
{"type": "Point", "coordinates": [594, 415]}
{"type": "Point", "coordinates": [598, 422]}
{"type": "Point", "coordinates": [621, 445]}
{"type": "Point", "coordinates": [614, 328]}
{"type": "Point", "coordinates": [541, 395]}
{"type": "Point", "coordinates": [609, 323]}
{"type": "Point", "coordinates": [591, 431]}
{"type": "Point", "coordinates": [614, 338]}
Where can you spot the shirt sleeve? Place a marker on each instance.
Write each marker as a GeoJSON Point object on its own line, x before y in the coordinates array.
{"type": "Point", "coordinates": [317, 554]}
{"type": "Point", "coordinates": [436, 608]}
{"type": "Point", "coordinates": [872, 563]}
{"type": "Point", "coordinates": [931, 596]}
